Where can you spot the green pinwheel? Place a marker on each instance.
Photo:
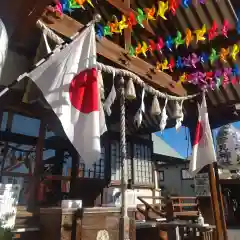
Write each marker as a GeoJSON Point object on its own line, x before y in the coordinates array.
{"type": "Point", "coordinates": [213, 56]}
{"type": "Point", "coordinates": [140, 17]}
{"type": "Point", "coordinates": [178, 40]}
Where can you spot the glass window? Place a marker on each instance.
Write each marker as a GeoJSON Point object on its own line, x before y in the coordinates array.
{"type": "Point", "coordinates": [97, 170]}
{"type": "Point", "coordinates": [10, 180]}
{"type": "Point", "coordinates": [116, 161]}
{"type": "Point", "coordinates": [160, 175]}
{"type": "Point", "coordinates": [142, 164]}
{"type": "Point", "coordinates": [25, 125]}
{"type": "Point", "coordinates": [185, 174]}
{"type": "Point", "coordinates": [4, 121]}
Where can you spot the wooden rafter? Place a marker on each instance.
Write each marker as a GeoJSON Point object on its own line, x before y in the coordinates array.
{"type": "Point", "coordinates": [68, 27]}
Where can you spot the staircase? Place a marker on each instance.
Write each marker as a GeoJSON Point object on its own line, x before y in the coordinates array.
{"type": "Point", "coordinates": [27, 225]}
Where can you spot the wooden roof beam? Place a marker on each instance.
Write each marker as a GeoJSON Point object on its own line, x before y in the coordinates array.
{"type": "Point", "coordinates": [113, 52]}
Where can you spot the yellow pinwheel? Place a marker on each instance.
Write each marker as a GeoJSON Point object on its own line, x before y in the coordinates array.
{"type": "Point", "coordinates": [200, 34]}
{"type": "Point", "coordinates": [162, 8]}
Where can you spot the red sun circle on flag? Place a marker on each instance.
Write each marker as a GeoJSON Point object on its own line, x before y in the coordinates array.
{"type": "Point", "coordinates": [199, 133]}
{"type": "Point", "coordinates": [83, 91]}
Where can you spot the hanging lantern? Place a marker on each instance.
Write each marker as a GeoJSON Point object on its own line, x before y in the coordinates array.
{"type": "Point", "coordinates": [155, 109]}
{"type": "Point", "coordinates": [130, 91]}
{"type": "Point", "coordinates": [228, 147]}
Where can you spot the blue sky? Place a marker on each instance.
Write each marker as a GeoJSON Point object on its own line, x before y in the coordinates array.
{"type": "Point", "coordinates": [179, 142]}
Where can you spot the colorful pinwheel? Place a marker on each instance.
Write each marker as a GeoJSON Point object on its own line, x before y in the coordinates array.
{"type": "Point", "coordinates": [178, 39]}
{"type": "Point", "coordinates": [200, 34]}
{"type": "Point", "coordinates": [162, 8]}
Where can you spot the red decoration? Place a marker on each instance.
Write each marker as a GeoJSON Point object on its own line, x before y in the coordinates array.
{"type": "Point", "coordinates": [173, 6]}
{"type": "Point", "coordinates": [225, 28]}
{"type": "Point", "coordinates": [171, 64]}
{"type": "Point", "coordinates": [131, 21]}
{"type": "Point", "coordinates": [212, 33]}
{"type": "Point", "coordinates": [152, 46]}
{"type": "Point", "coordinates": [160, 44]}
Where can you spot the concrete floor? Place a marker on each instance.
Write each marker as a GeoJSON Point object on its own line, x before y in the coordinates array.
{"type": "Point", "coordinates": [234, 234]}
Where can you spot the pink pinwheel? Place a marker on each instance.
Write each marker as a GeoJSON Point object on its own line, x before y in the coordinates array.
{"type": "Point", "coordinates": [58, 8]}
{"type": "Point", "coordinates": [212, 85]}
{"type": "Point", "coordinates": [201, 77]}
{"type": "Point", "coordinates": [234, 80]}
{"type": "Point", "coordinates": [194, 59]}
{"type": "Point", "coordinates": [160, 44]}
{"type": "Point", "coordinates": [226, 73]}
{"type": "Point", "coordinates": [225, 28]}
{"type": "Point", "coordinates": [187, 61]}
{"type": "Point", "coordinates": [193, 78]}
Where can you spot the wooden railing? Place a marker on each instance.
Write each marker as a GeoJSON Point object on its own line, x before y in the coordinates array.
{"type": "Point", "coordinates": [149, 211]}
{"type": "Point", "coordinates": [170, 208]}
{"type": "Point", "coordinates": [169, 215]}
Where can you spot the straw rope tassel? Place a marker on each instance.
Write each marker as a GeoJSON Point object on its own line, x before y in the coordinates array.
{"type": "Point", "coordinates": [130, 90]}
{"type": "Point", "coordinates": [139, 116]}
{"type": "Point", "coordinates": [155, 109]}
{"type": "Point", "coordinates": [164, 117]}
{"type": "Point", "coordinates": [110, 99]}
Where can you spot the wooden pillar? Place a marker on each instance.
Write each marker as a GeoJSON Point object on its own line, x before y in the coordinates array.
{"type": "Point", "coordinates": [215, 202]}
{"type": "Point", "coordinates": [220, 198]}
{"type": "Point", "coordinates": [38, 170]}
{"type": "Point", "coordinates": [74, 172]}
{"type": "Point", "coordinates": [57, 170]}
{"type": "Point", "coordinates": [5, 149]}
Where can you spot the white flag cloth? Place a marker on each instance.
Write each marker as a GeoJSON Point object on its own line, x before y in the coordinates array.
{"type": "Point", "coordinates": [68, 81]}
{"type": "Point", "coordinates": [203, 152]}
{"type": "Point", "coordinates": [3, 45]}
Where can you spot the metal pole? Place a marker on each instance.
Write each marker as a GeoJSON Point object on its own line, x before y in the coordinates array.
{"type": "Point", "coordinates": [124, 231]}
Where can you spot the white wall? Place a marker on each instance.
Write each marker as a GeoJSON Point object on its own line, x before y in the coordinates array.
{"type": "Point", "coordinates": [109, 196]}
{"type": "Point", "coordinates": [173, 181]}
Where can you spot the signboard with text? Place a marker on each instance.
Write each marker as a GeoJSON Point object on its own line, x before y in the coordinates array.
{"type": "Point", "coordinates": [202, 187]}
